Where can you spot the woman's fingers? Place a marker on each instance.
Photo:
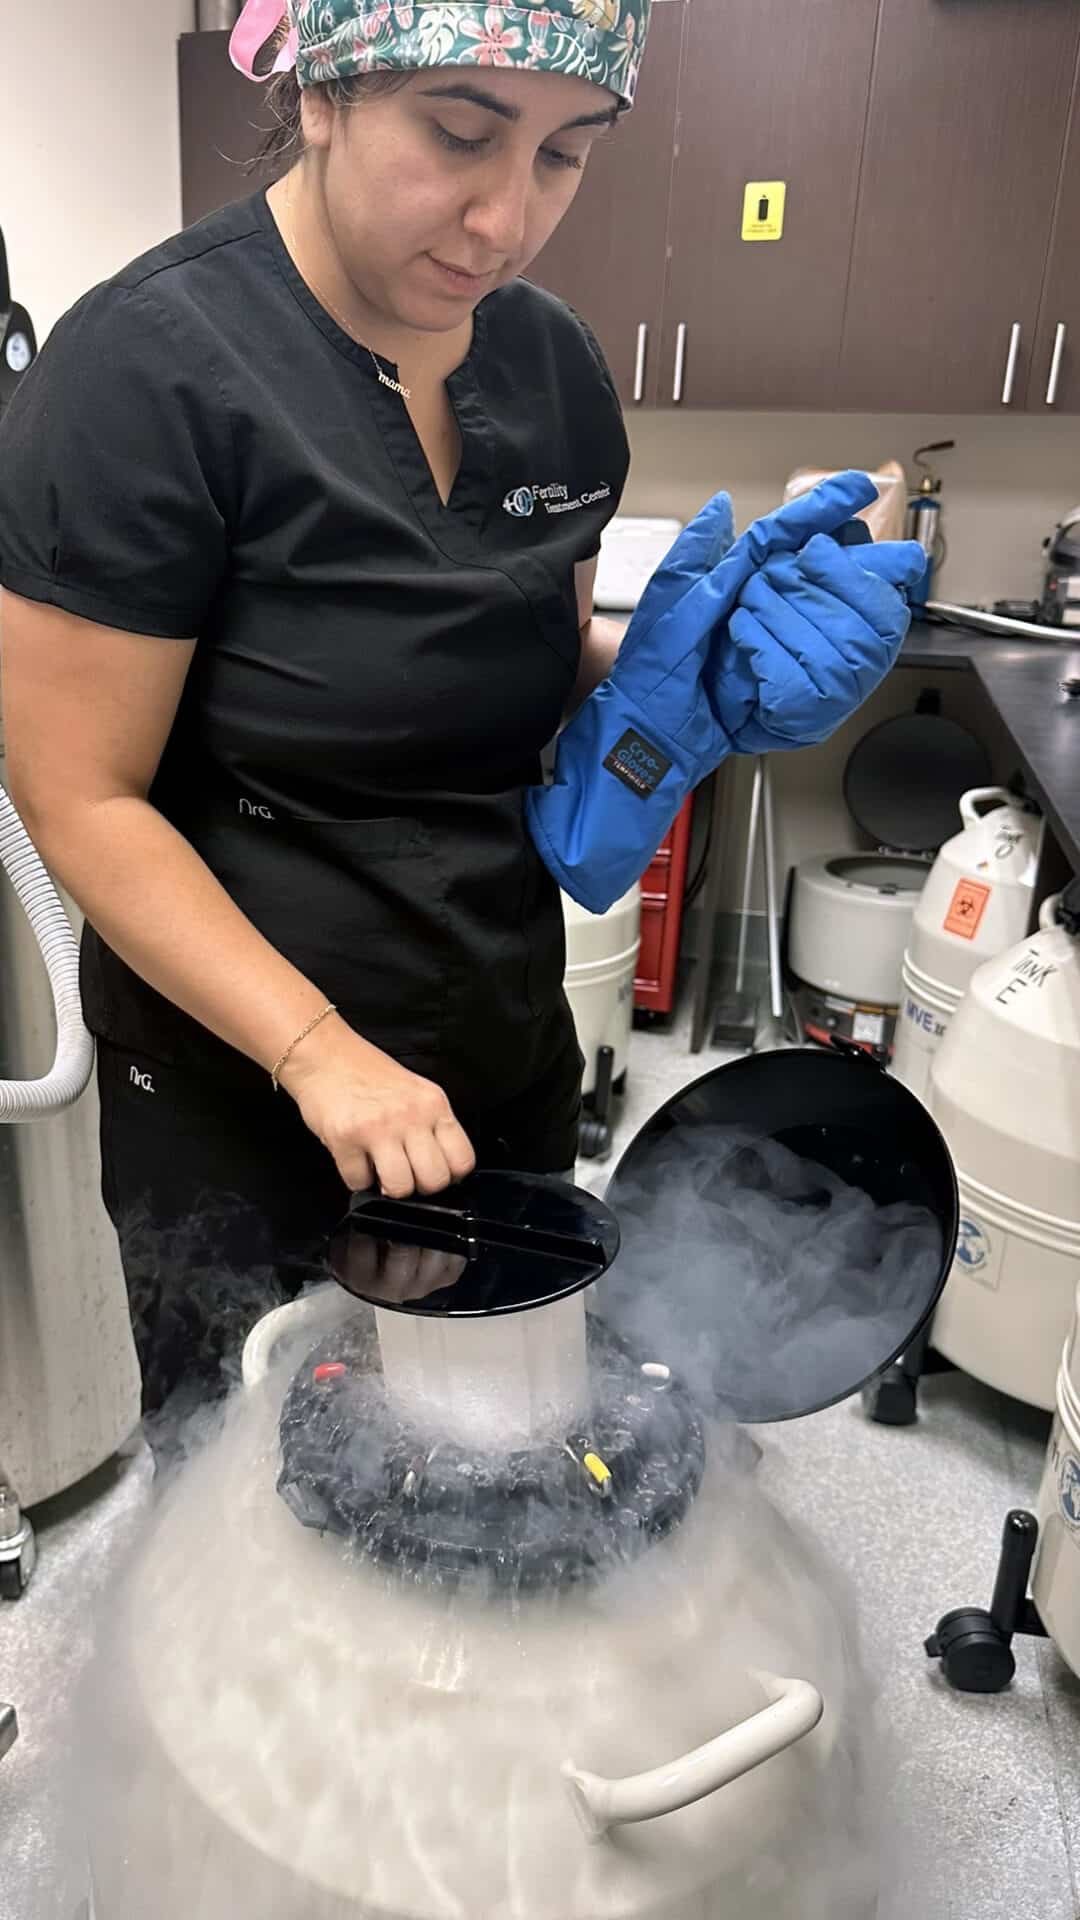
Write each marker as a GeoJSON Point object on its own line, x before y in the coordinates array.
{"type": "Point", "coordinates": [456, 1146]}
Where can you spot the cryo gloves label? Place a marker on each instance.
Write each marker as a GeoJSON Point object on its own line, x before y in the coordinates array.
{"type": "Point", "coordinates": [637, 763]}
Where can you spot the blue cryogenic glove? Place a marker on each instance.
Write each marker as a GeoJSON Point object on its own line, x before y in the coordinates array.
{"type": "Point", "coordinates": [812, 635]}
{"type": "Point", "coordinates": [744, 646]}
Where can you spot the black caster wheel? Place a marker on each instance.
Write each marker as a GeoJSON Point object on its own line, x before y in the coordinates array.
{"type": "Point", "coordinates": [973, 1644]}
{"type": "Point", "coordinates": [975, 1655]}
{"type": "Point", "coordinates": [892, 1400]}
{"type": "Point", "coordinates": [594, 1139]}
{"type": "Point", "coordinates": [11, 1580]}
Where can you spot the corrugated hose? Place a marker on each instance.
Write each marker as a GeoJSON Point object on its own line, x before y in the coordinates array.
{"type": "Point", "coordinates": [74, 1058]}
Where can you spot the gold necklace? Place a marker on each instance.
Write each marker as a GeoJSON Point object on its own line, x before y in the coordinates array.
{"type": "Point", "coordinates": [395, 386]}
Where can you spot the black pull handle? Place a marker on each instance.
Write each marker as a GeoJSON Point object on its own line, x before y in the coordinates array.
{"type": "Point", "coordinates": [1018, 1541]}
{"type": "Point", "coordinates": [463, 1231]}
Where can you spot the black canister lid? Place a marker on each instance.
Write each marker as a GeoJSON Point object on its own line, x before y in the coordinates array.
{"type": "Point", "coordinates": [905, 779]}
{"type": "Point", "coordinates": [788, 1223]}
{"type": "Point", "coordinates": [496, 1243]}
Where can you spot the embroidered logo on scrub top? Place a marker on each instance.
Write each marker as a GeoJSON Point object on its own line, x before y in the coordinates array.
{"type": "Point", "coordinates": [523, 501]}
{"type": "Point", "coordinates": [637, 763]}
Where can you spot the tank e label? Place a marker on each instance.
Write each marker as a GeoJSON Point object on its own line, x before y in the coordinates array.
{"type": "Point", "coordinates": [966, 908]}
{"type": "Point", "coordinates": [1028, 971]}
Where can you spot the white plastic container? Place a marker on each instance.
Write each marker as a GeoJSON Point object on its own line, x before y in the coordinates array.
{"type": "Point", "coordinates": [1005, 1090]}
{"type": "Point", "coordinates": [976, 903]}
{"type": "Point", "coordinates": [851, 915]}
{"type": "Point", "coordinates": [1055, 1580]}
{"type": "Point", "coordinates": [601, 963]}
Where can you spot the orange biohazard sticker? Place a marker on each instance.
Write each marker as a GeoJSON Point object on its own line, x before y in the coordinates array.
{"type": "Point", "coordinates": [966, 909]}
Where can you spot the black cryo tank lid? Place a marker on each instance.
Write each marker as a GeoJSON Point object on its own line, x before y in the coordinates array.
{"type": "Point", "coordinates": [793, 1217]}
{"type": "Point", "coordinates": [495, 1243]}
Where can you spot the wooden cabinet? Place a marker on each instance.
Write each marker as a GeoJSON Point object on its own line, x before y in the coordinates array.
{"type": "Point", "coordinates": [224, 120]}
{"type": "Point", "coordinates": [961, 160]}
{"type": "Point", "coordinates": [608, 257]}
{"type": "Point", "coordinates": [769, 91]}
{"type": "Point", "coordinates": [1055, 362]}
{"type": "Point", "coordinates": [930, 258]}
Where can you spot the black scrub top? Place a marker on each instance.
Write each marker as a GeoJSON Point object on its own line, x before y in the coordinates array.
{"type": "Point", "coordinates": [201, 452]}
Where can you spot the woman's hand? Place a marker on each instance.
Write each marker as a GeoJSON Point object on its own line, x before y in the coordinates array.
{"type": "Point", "coordinates": [384, 1126]}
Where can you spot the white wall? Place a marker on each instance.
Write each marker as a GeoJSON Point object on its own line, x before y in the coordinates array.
{"type": "Point", "coordinates": [1006, 483]}
{"type": "Point", "coordinates": [89, 142]}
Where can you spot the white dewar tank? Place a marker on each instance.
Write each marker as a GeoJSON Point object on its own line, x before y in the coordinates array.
{"type": "Point", "coordinates": [69, 1382]}
{"type": "Point", "coordinates": [976, 902]}
{"type": "Point", "coordinates": [850, 919]}
{"type": "Point", "coordinates": [472, 1611]}
{"type": "Point", "coordinates": [317, 1740]}
{"type": "Point", "coordinates": [288, 1725]}
{"type": "Point", "coordinates": [850, 914]}
{"type": "Point", "coordinates": [1055, 1580]}
{"type": "Point", "coordinates": [601, 966]}
{"type": "Point", "coordinates": [973, 1644]}
{"type": "Point", "coordinates": [1005, 1091]}
{"type": "Point", "coordinates": [601, 962]}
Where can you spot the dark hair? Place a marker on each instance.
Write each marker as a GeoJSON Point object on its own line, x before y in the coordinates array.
{"type": "Point", "coordinates": [284, 141]}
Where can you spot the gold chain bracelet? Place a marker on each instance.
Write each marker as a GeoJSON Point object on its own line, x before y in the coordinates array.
{"type": "Point", "coordinates": [293, 1044]}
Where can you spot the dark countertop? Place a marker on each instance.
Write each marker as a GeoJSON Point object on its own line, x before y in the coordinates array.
{"type": "Point", "coordinates": [1022, 680]}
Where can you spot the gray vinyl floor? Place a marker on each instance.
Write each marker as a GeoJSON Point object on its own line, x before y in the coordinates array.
{"type": "Point", "coordinates": [983, 1817]}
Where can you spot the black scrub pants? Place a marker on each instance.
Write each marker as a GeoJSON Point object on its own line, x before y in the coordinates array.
{"type": "Point", "coordinates": [223, 1200]}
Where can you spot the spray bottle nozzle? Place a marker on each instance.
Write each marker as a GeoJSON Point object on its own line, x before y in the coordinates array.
{"type": "Point", "coordinates": [931, 482]}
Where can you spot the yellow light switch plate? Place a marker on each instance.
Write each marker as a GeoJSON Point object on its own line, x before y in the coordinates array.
{"type": "Point", "coordinates": [763, 209]}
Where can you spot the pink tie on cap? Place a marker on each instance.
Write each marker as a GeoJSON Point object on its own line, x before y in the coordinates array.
{"type": "Point", "coordinates": [259, 20]}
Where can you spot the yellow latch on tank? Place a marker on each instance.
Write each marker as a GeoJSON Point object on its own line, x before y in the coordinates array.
{"type": "Point", "coordinates": [600, 1472]}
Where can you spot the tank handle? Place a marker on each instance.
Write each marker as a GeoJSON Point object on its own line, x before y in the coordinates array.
{"type": "Point", "coordinates": [971, 802]}
{"type": "Point", "coordinates": [73, 1060]}
{"type": "Point", "coordinates": [310, 1311]}
{"type": "Point", "coordinates": [1048, 913]}
{"type": "Point", "coordinates": [794, 1709]}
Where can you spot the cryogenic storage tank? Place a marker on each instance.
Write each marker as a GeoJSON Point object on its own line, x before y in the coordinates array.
{"type": "Point", "coordinates": [468, 1611]}
{"type": "Point", "coordinates": [976, 902]}
{"type": "Point", "coordinates": [1055, 1583]}
{"type": "Point", "coordinates": [1005, 1090]}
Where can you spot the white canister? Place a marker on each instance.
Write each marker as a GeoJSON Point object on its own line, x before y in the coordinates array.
{"type": "Point", "coordinates": [926, 1008]}
{"type": "Point", "coordinates": [976, 903]}
{"type": "Point", "coordinates": [1005, 1090]}
{"type": "Point", "coordinates": [601, 963]}
{"type": "Point", "coordinates": [1055, 1580]}
{"type": "Point", "coordinates": [850, 919]}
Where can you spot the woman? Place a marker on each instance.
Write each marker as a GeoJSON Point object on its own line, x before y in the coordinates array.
{"type": "Point", "coordinates": [287, 621]}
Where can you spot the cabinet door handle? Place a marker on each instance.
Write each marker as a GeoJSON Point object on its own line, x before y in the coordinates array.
{"type": "Point", "coordinates": [680, 362]}
{"type": "Point", "coordinates": [1055, 364]}
{"type": "Point", "coordinates": [1010, 365]}
{"type": "Point", "coordinates": [639, 362]}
